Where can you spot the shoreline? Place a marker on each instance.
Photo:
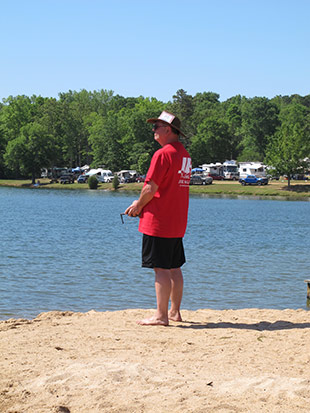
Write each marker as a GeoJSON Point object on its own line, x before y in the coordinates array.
{"type": "Point", "coordinates": [215, 360]}
{"type": "Point", "coordinates": [300, 190]}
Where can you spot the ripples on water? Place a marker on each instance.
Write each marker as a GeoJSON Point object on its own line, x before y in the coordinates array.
{"type": "Point", "coordinates": [68, 250]}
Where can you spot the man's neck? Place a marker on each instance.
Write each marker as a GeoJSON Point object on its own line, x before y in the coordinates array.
{"type": "Point", "coordinates": [171, 139]}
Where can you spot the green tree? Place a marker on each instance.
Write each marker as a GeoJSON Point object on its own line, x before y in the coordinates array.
{"type": "Point", "coordinates": [16, 112]}
{"type": "Point", "coordinates": [3, 143]}
{"type": "Point", "coordinates": [137, 141]}
{"type": "Point", "coordinates": [76, 107]}
{"type": "Point", "coordinates": [115, 182]}
{"type": "Point", "coordinates": [104, 140]}
{"type": "Point", "coordinates": [259, 123]}
{"type": "Point", "coordinates": [233, 117]}
{"type": "Point", "coordinates": [140, 157]}
{"type": "Point", "coordinates": [49, 115]}
{"type": "Point", "coordinates": [123, 139]}
{"type": "Point", "coordinates": [93, 182]}
{"type": "Point", "coordinates": [20, 111]}
{"type": "Point", "coordinates": [30, 151]}
{"type": "Point", "coordinates": [182, 106]}
{"type": "Point", "coordinates": [211, 143]}
{"type": "Point", "coordinates": [205, 104]}
{"type": "Point", "coordinates": [291, 144]}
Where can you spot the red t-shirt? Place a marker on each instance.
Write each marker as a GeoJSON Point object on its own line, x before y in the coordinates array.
{"type": "Point", "coordinates": [166, 214]}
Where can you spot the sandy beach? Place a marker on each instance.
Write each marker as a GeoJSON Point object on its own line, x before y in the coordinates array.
{"type": "Point", "coordinates": [245, 360]}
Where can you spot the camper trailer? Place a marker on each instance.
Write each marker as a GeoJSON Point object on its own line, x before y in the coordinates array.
{"type": "Point", "coordinates": [213, 169]}
{"type": "Point", "coordinates": [252, 168]}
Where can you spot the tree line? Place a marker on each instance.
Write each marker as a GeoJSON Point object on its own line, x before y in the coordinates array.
{"type": "Point", "coordinates": [99, 128]}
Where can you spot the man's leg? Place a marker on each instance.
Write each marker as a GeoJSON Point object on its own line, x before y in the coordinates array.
{"type": "Point", "coordinates": [176, 294]}
{"type": "Point", "coordinates": [163, 291]}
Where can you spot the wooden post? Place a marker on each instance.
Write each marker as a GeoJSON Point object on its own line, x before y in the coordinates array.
{"type": "Point", "coordinates": [308, 288]}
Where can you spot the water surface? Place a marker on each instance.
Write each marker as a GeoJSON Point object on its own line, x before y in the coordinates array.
{"type": "Point", "coordinates": [68, 250]}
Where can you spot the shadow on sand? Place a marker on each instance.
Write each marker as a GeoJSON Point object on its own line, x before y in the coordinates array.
{"type": "Point", "coordinates": [261, 326]}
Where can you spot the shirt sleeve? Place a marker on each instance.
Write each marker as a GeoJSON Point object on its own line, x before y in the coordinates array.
{"type": "Point", "coordinates": [158, 168]}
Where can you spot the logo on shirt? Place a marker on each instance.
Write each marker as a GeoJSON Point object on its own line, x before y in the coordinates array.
{"type": "Point", "coordinates": [186, 166]}
{"type": "Point", "coordinates": [185, 171]}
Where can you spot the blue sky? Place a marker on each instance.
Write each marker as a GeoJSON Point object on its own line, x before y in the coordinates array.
{"type": "Point", "coordinates": [153, 48]}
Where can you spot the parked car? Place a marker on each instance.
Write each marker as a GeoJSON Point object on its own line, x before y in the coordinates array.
{"type": "Point", "coordinates": [299, 177]}
{"type": "Point", "coordinates": [82, 179]}
{"type": "Point", "coordinates": [66, 179]}
{"type": "Point", "coordinates": [231, 176]}
{"type": "Point", "coordinates": [140, 178]}
{"type": "Point", "coordinates": [200, 180]}
{"type": "Point", "coordinates": [208, 180]}
{"type": "Point", "coordinates": [253, 180]}
{"type": "Point", "coordinates": [129, 179]}
{"type": "Point", "coordinates": [271, 177]}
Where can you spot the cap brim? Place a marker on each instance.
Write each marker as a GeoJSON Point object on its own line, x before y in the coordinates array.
{"type": "Point", "coordinates": [153, 120]}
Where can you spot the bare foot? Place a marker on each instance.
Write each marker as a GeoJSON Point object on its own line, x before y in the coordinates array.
{"type": "Point", "coordinates": [153, 321]}
{"type": "Point", "coordinates": [175, 316]}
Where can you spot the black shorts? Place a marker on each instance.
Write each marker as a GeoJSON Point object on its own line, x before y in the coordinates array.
{"type": "Point", "coordinates": [160, 252]}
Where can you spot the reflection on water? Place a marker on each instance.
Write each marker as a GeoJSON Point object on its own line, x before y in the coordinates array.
{"type": "Point", "coordinates": [68, 250]}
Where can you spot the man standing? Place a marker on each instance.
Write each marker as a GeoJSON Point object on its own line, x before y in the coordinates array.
{"type": "Point", "coordinates": [162, 208]}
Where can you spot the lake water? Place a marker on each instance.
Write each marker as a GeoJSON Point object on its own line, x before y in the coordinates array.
{"type": "Point", "coordinates": [68, 250]}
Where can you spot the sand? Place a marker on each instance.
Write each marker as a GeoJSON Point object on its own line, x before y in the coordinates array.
{"type": "Point", "coordinates": [245, 360]}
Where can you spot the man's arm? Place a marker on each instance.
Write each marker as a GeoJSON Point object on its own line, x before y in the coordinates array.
{"type": "Point", "coordinates": [147, 193]}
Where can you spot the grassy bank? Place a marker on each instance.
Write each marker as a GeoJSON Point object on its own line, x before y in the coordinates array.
{"type": "Point", "coordinates": [298, 189]}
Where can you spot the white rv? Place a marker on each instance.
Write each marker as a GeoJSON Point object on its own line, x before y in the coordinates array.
{"type": "Point", "coordinates": [230, 170]}
{"type": "Point", "coordinates": [252, 168]}
{"type": "Point", "coordinates": [213, 168]}
{"type": "Point", "coordinates": [103, 175]}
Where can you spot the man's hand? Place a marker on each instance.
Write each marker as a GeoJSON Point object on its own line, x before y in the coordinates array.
{"type": "Point", "coordinates": [147, 193]}
{"type": "Point", "coordinates": [133, 210]}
